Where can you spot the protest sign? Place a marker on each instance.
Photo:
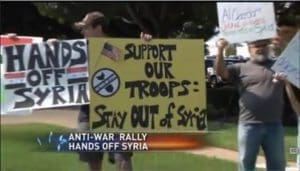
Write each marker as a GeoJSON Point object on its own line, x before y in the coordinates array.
{"type": "Point", "coordinates": [157, 86]}
{"type": "Point", "coordinates": [289, 61]}
{"type": "Point", "coordinates": [5, 40]}
{"type": "Point", "coordinates": [45, 75]}
{"type": "Point", "coordinates": [239, 22]}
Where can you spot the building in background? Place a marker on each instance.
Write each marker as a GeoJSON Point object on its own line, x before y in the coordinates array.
{"type": "Point", "coordinates": [240, 49]}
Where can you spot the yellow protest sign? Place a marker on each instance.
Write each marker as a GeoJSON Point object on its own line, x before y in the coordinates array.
{"type": "Point", "coordinates": [156, 86]}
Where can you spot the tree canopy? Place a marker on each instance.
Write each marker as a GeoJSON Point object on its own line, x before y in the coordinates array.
{"type": "Point", "coordinates": [162, 19]}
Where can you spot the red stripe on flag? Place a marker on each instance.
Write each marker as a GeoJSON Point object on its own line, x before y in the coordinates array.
{"type": "Point", "coordinates": [76, 69]}
{"type": "Point", "coordinates": [14, 75]}
{"type": "Point", "coordinates": [11, 41]}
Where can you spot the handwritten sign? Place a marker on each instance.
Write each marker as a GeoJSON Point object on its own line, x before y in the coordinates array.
{"type": "Point", "coordinates": [45, 75]}
{"type": "Point", "coordinates": [7, 41]}
{"type": "Point", "coordinates": [289, 61]}
{"type": "Point", "coordinates": [153, 87]}
{"type": "Point", "coordinates": [239, 22]}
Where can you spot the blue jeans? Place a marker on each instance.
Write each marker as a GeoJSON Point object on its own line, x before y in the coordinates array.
{"type": "Point", "coordinates": [270, 136]}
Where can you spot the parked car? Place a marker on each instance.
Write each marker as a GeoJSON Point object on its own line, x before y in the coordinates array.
{"type": "Point", "coordinates": [211, 78]}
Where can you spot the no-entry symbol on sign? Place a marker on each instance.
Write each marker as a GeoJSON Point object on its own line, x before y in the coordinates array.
{"type": "Point", "coordinates": [105, 82]}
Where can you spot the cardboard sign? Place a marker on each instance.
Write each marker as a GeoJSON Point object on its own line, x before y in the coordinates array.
{"type": "Point", "coordinates": [289, 61]}
{"type": "Point", "coordinates": [153, 87]}
{"type": "Point", "coordinates": [240, 22]}
{"type": "Point", "coordinates": [45, 75]}
{"type": "Point", "coordinates": [7, 41]}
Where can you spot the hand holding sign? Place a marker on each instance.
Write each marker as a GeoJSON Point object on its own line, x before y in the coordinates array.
{"type": "Point", "coordinates": [222, 44]}
{"type": "Point", "coordinates": [52, 40]}
{"type": "Point", "coordinates": [146, 37]}
{"type": "Point", "coordinates": [12, 35]}
{"type": "Point", "coordinates": [289, 61]}
{"type": "Point", "coordinates": [279, 76]}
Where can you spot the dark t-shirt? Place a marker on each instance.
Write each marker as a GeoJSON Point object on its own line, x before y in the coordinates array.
{"type": "Point", "coordinates": [261, 100]}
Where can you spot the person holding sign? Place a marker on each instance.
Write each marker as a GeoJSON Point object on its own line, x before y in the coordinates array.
{"type": "Point", "coordinates": [261, 105]}
{"type": "Point", "coordinates": [287, 29]}
{"type": "Point", "coordinates": [95, 24]}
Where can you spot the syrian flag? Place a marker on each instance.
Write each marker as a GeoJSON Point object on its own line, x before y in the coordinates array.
{"type": "Point", "coordinates": [14, 80]}
{"type": "Point", "coordinates": [111, 51]}
{"type": "Point", "coordinates": [5, 40]}
{"type": "Point", "coordinates": [77, 75]}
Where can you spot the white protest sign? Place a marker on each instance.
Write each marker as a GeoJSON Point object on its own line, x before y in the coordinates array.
{"type": "Point", "coordinates": [289, 61]}
{"type": "Point", "coordinates": [239, 22]}
{"type": "Point", "coordinates": [6, 40]}
{"type": "Point", "coordinates": [45, 75]}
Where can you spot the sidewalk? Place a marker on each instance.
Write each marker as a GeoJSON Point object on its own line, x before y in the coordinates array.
{"type": "Point", "coordinates": [232, 155]}
{"type": "Point", "coordinates": [67, 117]}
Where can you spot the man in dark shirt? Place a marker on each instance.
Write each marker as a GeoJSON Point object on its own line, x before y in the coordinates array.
{"type": "Point", "coordinates": [94, 24]}
{"type": "Point", "coordinates": [261, 105]}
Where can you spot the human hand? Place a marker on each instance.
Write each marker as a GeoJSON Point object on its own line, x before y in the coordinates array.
{"type": "Point", "coordinates": [222, 44]}
{"type": "Point", "coordinates": [279, 76]}
{"type": "Point", "coordinates": [146, 37]}
{"type": "Point", "coordinates": [12, 35]}
{"type": "Point", "coordinates": [52, 40]}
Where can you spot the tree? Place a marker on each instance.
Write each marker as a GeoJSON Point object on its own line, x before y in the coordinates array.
{"type": "Point", "coordinates": [163, 19]}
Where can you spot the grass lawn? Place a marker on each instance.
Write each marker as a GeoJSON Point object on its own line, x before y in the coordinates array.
{"type": "Point", "coordinates": [226, 137]}
{"type": "Point", "coordinates": [21, 152]}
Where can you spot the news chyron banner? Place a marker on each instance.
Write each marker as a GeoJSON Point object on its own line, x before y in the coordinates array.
{"type": "Point", "coordinates": [156, 86]}
{"type": "Point", "coordinates": [42, 75]}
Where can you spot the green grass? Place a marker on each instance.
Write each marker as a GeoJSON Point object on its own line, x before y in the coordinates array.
{"type": "Point", "coordinates": [21, 152]}
{"type": "Point", "coordinates": [226, 137]}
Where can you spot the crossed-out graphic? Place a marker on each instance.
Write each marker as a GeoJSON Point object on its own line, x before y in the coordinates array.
{"type": "Point", "coordinates": [105, 82]}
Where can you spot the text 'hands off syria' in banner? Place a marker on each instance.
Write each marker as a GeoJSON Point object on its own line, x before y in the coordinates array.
{"type": "Point", "coordinates": [289, 61]}
{"type": "Point", "coordinates": [45, 75]}
{"type": "Point", "coordinates": [155, 86]}
{"type": "Point", "coordinates": [239, 22]}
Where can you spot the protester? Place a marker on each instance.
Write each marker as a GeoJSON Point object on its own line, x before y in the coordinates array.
{"type": "Point", "coordinates": [285, 32]}
{"type": "Point", "coordinates": [95, 24]}
{"type": "Point", "coordinates": [261, 104]}
{"type": "Point", "coordinates": [287, 29]}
